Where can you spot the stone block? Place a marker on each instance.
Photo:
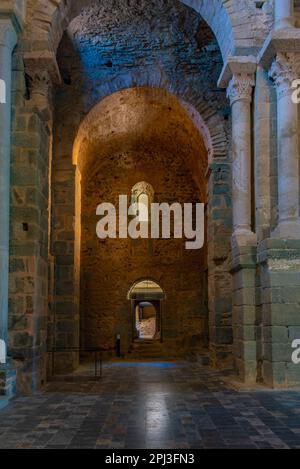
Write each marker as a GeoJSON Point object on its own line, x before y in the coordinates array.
{"type": "Point", "coordinates": [248, 352]}
{"type": "Point", "coordinates": [244, 314]}
{"type": "Point", "coordinates": [247, 370]}
{"type": "Point", "coordinates": [246, 333]}
{"type": "Point", "coordinates": [276, 334]}
{"type": "Point", "coordinates": [22, 339]}
{"type": "Point", "coordinates": [224, 335]}
{"type": "Point", "coordinates": [244, 296]}
{"type": "Point", "coordinates": [274, 374]}
{"type": "Point", "coordinates": [294, 332]}
{"type": "Point", "coordinates": [277, 352]}
{"type": "Point", "coordinates": [293, 375]}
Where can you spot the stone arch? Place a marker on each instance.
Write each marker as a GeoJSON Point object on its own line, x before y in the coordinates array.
{"type": "Point", "coordinates": [47, 21]}
{"type": "Point", "coordinates": [145, 279]}
{"type": "Point", "coordinates": [85, 143]}
{"type": "Point", "coordinates": [209, 123]}
{"type": "Point", "coordinates": [215, 144]}
{"type": "Point", "coordinates": [206, 108]}
{"type": "Point", "coordinates": [155, 297]}
{"type": "Point", "coordinates": [207, 117]}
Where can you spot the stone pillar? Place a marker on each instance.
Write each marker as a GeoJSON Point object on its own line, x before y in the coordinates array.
{"type": "Point", "coordinates": [238, 77]}
{"type": "Point", "coordinates": [243, 240]}
{"type": "Point", "coordinates": [29, 247]}
{"type": "Point", "coordinates": [240, 93]}
{"type": "Point", "coordinates": [284, 14]}
{"type": "Point", "coordinates": [8, 40]}
{"type": "Point", "coordinates": [283, 71]}
{"type": "Point", "coordinates": [219, 264]}
{"type": "Point", "coordinates": [244, 312]}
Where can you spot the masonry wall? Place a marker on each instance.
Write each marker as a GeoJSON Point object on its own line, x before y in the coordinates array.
{"type": "Point", "coordinates": [172, 49]}
{"type": "Point", "coordinates": [184, 59]}
{"type": "Point", "coordinates": [28, 294]}
{"type": "Point", "coordinates": [109, 268]}
{"type": "Point", "coordinates": [280, 296]}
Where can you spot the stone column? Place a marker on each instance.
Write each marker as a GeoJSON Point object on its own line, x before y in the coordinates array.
{"type": "Point", "coordinates": [243, 240]}
{"type": "Point", "coordinates": [219, 276]}
{"type": "Point", "coordinates": [8, 40]}
{"type": "Point", "coordinates": [284, 71]}
{"type": "Point", "coordinates": [240, 93]}
{"type": "Point", "coordinates": [284, 14]}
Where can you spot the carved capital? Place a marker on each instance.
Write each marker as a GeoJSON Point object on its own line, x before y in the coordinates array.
{"type": "Point", "coordinates": [39, 82]}
{"type": "Point", "coordinates": [40, 88]}
{"type": "Point", "coordinates": [38, 61]}
{"type": "Point", "coordinates": [240, 88]}
{"type": "Point", "coordinates": [284, 70]}
{"type": "Point", "coordinates": [42, 72]}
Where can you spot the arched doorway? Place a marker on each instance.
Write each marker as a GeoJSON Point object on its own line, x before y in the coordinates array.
{"type": "Point", "coordinates": [137, 123]}
{"type": "Point", "coordinates": [147, 305]}
{"type": "Point", "coordinates": [167, 169]}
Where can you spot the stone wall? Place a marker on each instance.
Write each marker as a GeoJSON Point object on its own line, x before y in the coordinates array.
{"type": "Point", "coordinates": [183, 59]}
{"type": "Point", "coordinates": [28, 299]}
{"type": "Point", "coordinates": [240, 26]}
{"type": "Point", "coordinates": [280, 315]}
{"type": "Point", "coordinates": [109, 268]}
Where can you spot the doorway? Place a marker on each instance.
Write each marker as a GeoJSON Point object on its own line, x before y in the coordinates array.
{"type": "Point", "coordinates": [147, 324]}
{"type": "Point", "coordinates": [147, 301]}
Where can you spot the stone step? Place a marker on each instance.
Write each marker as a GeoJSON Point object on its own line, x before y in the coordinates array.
{"type": "Point", "coordinates": [156, 350]}
{"type": "Point", "coordinates": [147, 350]}
{"type": "Point", "coordinates": [150, 350]}
{"type": "Point", "coordinates": [148, 355]}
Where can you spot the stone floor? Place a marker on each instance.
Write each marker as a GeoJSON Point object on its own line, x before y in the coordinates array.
{"type": "Point", "coordinates": [152, 405]}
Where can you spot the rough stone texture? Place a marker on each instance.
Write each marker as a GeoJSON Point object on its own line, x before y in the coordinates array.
{"type": "Point", "coordinates": [86, 81]}
{"type": "Point", "coordinates": [105, 48]}
{"type": "Point", "coordinates": [279, 317]}
{"type": "Point", "coordinates": [8, 40]}
{"type": "Point", "coordinates": [219, 277]}
{"type": "Point", "coordinates": [244, 312]}
{"type": "Point", "coordinates": [28, 299]}
{"type": "Point", "coordinates": [238, 25]}
{"type": "Point", "coordinates": [110, 268]}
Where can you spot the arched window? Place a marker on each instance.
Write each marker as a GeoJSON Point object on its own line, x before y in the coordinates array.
{"type": "Point", "coordinates": [142, 194]}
